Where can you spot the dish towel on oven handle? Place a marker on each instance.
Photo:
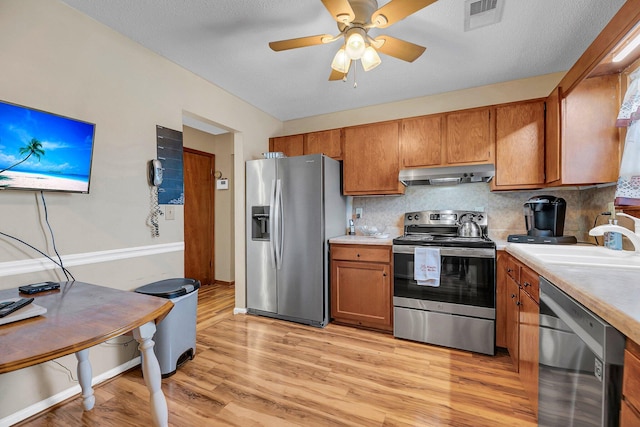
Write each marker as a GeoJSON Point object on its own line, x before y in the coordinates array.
{"type": "Point", "coordinates": [426, 270]}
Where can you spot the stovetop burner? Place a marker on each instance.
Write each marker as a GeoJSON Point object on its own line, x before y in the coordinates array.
{"type": "Point", "coordinates": [439, 228]}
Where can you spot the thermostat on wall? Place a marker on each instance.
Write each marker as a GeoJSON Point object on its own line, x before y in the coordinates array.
{"type": "Point", "coordinates": [222, 184]}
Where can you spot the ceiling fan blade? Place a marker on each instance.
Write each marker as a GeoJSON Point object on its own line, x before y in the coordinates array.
{"type": "Point", "coordinates": [300, 42]}
{"type": "Point", "coordinates": [340, 10]}
{"type": "Point", "coordinates": [337, 75]}
{"type": "Point", "coordinates": [400, 49]}
{"type": "Point", "coordinates": [397, 10]}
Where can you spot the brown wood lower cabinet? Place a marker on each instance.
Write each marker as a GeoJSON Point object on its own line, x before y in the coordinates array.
{"type": "Point", "coordinates": [630, 413]}
{"type": "Point", "coordinates": [361, 286]}
{"type": "Point", "coordinates": [518, 313]}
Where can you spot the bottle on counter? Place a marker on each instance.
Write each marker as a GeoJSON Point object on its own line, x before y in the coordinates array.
{"type": "Point", "coordinates": [615, 239]}
{"type": "Point", "coordinates": [352, 228]}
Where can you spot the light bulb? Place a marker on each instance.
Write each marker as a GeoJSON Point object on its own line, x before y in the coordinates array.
{"type": "Point", "coordinates": [341, 61]}
{"type": "Point", "coordinates": [355, 45]}
{"type": "Point", "coordinates": [370, 59]}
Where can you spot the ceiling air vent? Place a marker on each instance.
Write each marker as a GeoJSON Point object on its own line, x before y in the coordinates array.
{"type": "Point", "coordinates": [480, 13]}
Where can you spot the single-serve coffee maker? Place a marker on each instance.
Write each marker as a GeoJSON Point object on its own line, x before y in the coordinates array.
{"type": "Point", "coordinates": [544, 221]}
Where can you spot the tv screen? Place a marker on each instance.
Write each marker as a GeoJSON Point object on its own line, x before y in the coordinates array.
{"type": "Point", "coordinates": [44, 151]}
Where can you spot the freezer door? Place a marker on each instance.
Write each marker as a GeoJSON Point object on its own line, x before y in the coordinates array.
{"type": "Point", "coordinates": [261, 272]}
{"type": "Point", "coordinates": [301, 275]}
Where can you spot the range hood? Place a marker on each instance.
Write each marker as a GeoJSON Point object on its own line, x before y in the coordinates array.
{"type": "Point", "coordinates": [447, 175]}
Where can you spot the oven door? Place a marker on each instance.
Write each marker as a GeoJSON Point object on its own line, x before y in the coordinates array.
{"type": "Point", "coordinates": [467, 277]}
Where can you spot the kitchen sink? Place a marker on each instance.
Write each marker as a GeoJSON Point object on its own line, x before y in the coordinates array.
{"type": "Point", "coordinates": [592, 256]}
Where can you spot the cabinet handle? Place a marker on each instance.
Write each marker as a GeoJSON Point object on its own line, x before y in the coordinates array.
{"type": "Point", "coordinates": [384, 274]}
{"type": "Point", "coordinates": [527, 284]}
{"type": "Point", "coordinates": [518, 303]}
{"type": "Point", "coordinates": [358, 255]}
{"type": "Point", "coordinates": [509, 270]}
{"type": "Point", "coordinates": [513, 295]}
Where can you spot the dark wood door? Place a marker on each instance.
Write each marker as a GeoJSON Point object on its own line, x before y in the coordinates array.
{"type": "Point", "coordinates": [199, 215]}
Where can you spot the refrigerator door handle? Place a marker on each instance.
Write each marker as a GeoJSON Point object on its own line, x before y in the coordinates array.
{"type": "Point", "coordinates": [279, 235]}
{"type": "Point", "coordinates": [274, 228]}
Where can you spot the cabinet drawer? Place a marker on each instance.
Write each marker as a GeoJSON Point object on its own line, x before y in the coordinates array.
{"type": "Point", "coordinates": [361, 253]}
{"type": "Point", "coordinates": [513, 269]}
{"type": "Point", "coordinates": [530, 282]}
{"type": "Point", "coordinates": [631, 381]}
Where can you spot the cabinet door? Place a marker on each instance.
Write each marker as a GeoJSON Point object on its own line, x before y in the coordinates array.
{"type": "Point", "coordinates": [328, 142]}
{"type": "Point", "coordinates": [361, 294]}
{"type": "Point", "coordinates": [528, 347]}
{"type": "Point", "coordinates": [590, 141]}
{"type": "Point", "coordinates": [552, 134]}
{"type": "Point", "coordinates": [631, 375]}
{"type": "Point", "coordinates": [520, 145]}
{"type": "Point", "coordinates": [513, 320]}
{"type": "Point", "coordinates": [421, 141]}
{"type": "Point", "coordinates": [290, 145]}
{"type": "Point", "coordinates": [501, 299]}
{"type": "Point", "coordinates": [371, 160]}
{"type": "Point", "coordinates": [468, 137]}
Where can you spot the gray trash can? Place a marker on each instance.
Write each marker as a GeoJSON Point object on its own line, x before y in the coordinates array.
{"type": "Point", "coordinates": [175, 337]}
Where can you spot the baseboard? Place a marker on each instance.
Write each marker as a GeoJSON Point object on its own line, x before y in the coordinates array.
{"type": "Point", "coordinates": [222, 282]}
{"type": "Point", "coordinates": [65, 394]}
{"type": "Point", "coordinates": [237, 310]}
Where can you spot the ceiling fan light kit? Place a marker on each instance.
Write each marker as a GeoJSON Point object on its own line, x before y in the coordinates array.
{"type": "Point", "coordinates": [355, 18]}
{"type": "Point", "coordinates": [341, 62]}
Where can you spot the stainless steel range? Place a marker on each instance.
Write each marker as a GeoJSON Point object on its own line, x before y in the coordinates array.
{"type": "Point", "coordinates": [460, 311]}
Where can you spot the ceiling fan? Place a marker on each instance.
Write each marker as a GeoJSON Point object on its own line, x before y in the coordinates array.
{"type": "Point", "coordinates": [355, 18]}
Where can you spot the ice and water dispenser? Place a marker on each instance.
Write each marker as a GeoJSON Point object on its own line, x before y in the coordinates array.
{"type": "Point", "coordinates": [260, 225]}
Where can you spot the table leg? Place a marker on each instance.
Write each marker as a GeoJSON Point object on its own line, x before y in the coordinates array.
{"type": "Point", "coordinates": [84, 378]}
{"type": "Point", "coordinates": [151, 373]}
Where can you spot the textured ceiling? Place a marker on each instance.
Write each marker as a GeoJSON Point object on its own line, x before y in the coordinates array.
{"type": "Point", "coordinates": [226, 42]}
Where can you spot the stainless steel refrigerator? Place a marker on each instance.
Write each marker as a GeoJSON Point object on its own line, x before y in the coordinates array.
{"type": "Point", "coordinates": [294, 206]}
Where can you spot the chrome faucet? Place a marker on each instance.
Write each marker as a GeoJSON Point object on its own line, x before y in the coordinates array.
{"type": "Point", "coordinates": [633, 237]}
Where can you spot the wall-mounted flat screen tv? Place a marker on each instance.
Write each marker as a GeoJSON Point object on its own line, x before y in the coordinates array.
{"type": "Point", "coordinates": [44, 151]}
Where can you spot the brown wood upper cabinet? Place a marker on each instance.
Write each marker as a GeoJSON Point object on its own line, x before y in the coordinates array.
{"type": "Point", "coordinates": [328, 142]}
{"type": "Point", "coordinates": [519, 146]}
{"type": "Point", "coordinates": [372, 159]}
{"type": "Point", "coordinates": [468, 137]}
{"type": "Point", "coordinates": [583, 144]}
{"type": "Point", "coordinates": [421, 141]}
{"type": "Point", "coordinates": [448, 139]}
{"type": "Point", "coordinates": [292, 145]}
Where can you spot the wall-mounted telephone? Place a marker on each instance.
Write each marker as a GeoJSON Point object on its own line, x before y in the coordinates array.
{"type": "Point", "coordinates": [155, 172]}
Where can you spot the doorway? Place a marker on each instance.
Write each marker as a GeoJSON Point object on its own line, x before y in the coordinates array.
{"type": "Point", "coordinates": [199, 214]}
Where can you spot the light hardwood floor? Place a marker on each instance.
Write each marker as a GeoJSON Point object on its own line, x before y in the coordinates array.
{"type": "Point", "coordinates": [255, 371]}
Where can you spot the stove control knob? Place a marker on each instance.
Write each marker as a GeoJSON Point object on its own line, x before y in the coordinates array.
{"type": "Point", "coordinates": [416, 217]}
{"type": "Point", "coordinates": [409, 217]}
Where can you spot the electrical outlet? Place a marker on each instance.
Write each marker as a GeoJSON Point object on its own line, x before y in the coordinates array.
{"type": "Point", "coordinates": [611, 208]}
{"type": "Point", "coordinates": [358, 212]}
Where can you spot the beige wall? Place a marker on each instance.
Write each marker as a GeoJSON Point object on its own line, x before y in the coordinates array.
{"type": "Point", "coordinates": [56, 59]}
{"type": "Point", "coordinates": [516, 90]}
{"type": "Point", "coordinates": [222, 147]}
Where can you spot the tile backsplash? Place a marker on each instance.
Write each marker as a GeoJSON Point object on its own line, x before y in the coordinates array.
{"type": "Point", "coordinates": [504, 209]}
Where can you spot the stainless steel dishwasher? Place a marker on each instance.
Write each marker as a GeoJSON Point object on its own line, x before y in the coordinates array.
{"type": "Point", "coordinates": [580, 367]}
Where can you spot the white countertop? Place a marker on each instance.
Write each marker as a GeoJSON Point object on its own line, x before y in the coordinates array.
{"type": "Point", "coordinates": [362, 240]}
{"type": "Point", "coordinates": [612, 294]}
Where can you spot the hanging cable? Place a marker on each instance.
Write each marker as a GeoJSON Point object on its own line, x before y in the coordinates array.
{"type": "Point", "coordinates": [53, 239]}
{"type": "Point", "coordinates": [40, 252]}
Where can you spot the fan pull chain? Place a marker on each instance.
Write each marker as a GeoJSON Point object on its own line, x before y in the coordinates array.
{"type": "Point", "coordinates": [355, 72]}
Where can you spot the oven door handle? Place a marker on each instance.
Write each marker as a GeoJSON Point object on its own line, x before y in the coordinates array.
{"type": "Point", "coordinates": [446, 251]}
